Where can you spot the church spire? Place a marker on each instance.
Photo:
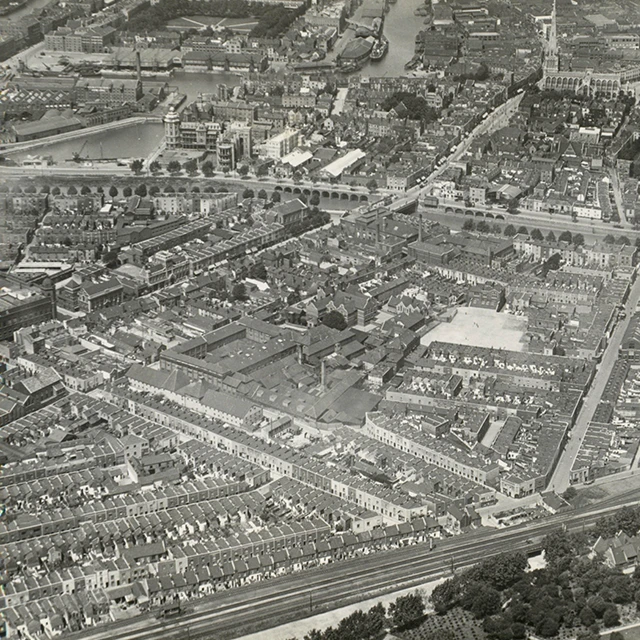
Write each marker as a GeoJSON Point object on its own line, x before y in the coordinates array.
{"type": "Point", "coordinates": [551, 54]}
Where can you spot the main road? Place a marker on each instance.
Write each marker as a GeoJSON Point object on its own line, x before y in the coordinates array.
{"type": "Point", "coordinates": [234, 612]}
{"type": "Point", "coordinates": [560, 480]}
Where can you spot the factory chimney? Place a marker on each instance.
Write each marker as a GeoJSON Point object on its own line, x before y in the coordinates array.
{"type": "Point", "coordinates": [323, 375]}
{"type": "Point", "coordinates": [420, 228]}
{"type": "Point", "coordinates": [138, 66]}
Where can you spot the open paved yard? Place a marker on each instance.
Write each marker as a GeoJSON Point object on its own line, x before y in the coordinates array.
{"type": "Point", "coordinates": [481, 328]}
{"type": "Point", "coordinates": [239, 25]}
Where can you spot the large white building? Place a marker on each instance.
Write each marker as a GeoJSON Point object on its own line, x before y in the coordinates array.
{"type": "Point", "coordinates": [280, 145]}
{"type": "Point", "coordinates": [336, 168]}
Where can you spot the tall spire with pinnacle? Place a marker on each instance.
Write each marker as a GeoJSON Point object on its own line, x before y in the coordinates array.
{"type": "Point", "coordinates": [551, 55]}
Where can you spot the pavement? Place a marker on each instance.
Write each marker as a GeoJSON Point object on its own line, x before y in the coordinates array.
{"type": "Point", "coordinates": [560, 479]}
{"type": "Point", "coordinates": [299, 628]}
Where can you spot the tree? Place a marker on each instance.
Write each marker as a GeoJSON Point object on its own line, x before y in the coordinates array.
{"type": "Point", "coordinates": [248, 193]}
{"type": "Point", "coordinates": [375, 621]}
{"type": "Point", "coordinates": [609, 239]}
{"type": "Point", "coordinates": [406, 610]}
{"type": "Point", "coordinates": [483, 227]}
{"type": "Point", "coordinates": [548, 627]}
{"type": "Point", "coordinates": [523, 230]}
{"type": "Point", "coordinates": [553, 263]}
{"type": "Point", "coordinates": [565, 236]}
{"type": "Point", "coordinates": [623, 240]}
{"type": "Point", "coordinates": [335, 320]}
{"type": "Point", "coordinates": [315, 200]}
{"type": "Point", "coordinates": [243, 170]}
{"type": "Point", "coordinates": [510, 231]}
{"type": "Point", "coordinates": [262, 194]}
{"type": "Point", "coordinates": [169, 189]}
{"type": "Point", "coordinates": [55, 191]}
{"type": "Point", "coordinates": [191, 167]}
{"type": "Point", "coordinates": [113, 191]}
{"type": "Point", "coordinates": [136, 166]}
{"type": "Point", "coordinates": [72, 191]}
{"type": "Point", "coordinates": [469, 225]}
{"type": "Point", "coordinates": [570, 494]}
{"type": "Point", "coordinates": [616, 635]}
{"type": "Point", "coordinates": [372, 185]}
{"type": "Point", "coordinates": [239, 292]}
{"type": "Point", "coordinates": [551, 237]}
{"type": "Point", "coordinates": [174, 167]}
{"type": "Point", "coordinates": [31, 188]}
{"type": "Point", "coordinates": [587, 617]}
{"type": "Point", "coordinates": [578, 239]}
{"type": "Point", "coordinates": [502, 571]}
{"type": "Point", "coordinates": [155, 167]}
{"type": "Point", "coordinates": [486, 602]}
{"type": "Point", "coordinates": [141, 190]}
{"type": "Point", "coordinates": [126, 192]}
{"type": "Point", "coordinates": [276, 197]}
{"type": "Point", "coordinates": [45, 188]}
{"type": "Point", "coordinates": [258, 270]}
{"type": "Point", "coordinates": [536, 234]}
{"type": "Point", "coordinates": [208, 168]}
{"type": "Point", "coordinates": [294, 297]}
{"type": "Point", "coordinates": [154, 189]}
{"type": "Point", "coordinates": [611, 617]}
{"type": "Point", "coordinates": [597, 605]}
{"type": "Point", "coordinates": [352, 625]}
{"type": "Point", "coordinates": [556, 546]}
{"type": "Point", "coordinates": [85, 190]}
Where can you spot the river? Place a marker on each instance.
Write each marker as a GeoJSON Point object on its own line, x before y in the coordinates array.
{"type": "Point", "coordinates": [400, 27]}
{"type": "Point", "coordinates": [191, 84]}
{"type": "Point", "coordinates": [26, 9]}
{"type": "Point", "coordinates": [132, 141]}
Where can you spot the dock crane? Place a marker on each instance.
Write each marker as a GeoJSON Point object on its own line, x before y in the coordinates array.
{"type": "Point", "coordinates": [77, 154]}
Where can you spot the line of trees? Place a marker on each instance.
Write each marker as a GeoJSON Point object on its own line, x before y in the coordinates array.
{"type": "Point", "coordinates": [404, 613]}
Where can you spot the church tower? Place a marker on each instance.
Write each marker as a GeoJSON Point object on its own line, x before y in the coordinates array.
{"type": "Point", "coordinates": [172, 129]}
{"type": "Point", "coordinates": [551, 61]}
